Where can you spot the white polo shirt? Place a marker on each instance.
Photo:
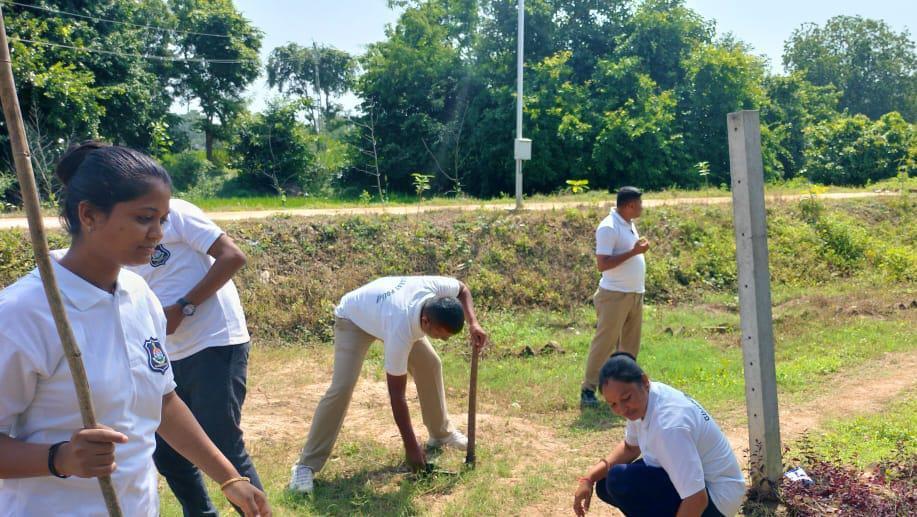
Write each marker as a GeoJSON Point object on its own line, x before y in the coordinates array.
{"type": "Point", "coordinates": [179, 263]}
{"type": "Point", "coordinates": [121, 337]}
{"type": "Point", "coordinates": [679, 436]}
{"type": "Point", "coordinates": [389, 309]}
{"type": "Point", "coordinates": [615, 236]}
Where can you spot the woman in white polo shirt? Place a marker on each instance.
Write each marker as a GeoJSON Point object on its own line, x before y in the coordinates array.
{"type": "Point", "coordinates": [688, 468]}
{"type": "Point", "coordinates": [191, 273]}
{"type": "Point", "coordinates": [115, 204]}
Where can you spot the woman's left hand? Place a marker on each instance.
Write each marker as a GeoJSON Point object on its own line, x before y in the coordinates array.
{"type": "Point", "coordinates": [246, 496]}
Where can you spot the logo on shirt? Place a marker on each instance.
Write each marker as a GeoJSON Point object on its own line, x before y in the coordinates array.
{"type": "Point", "coordinates": [156, 356]}
{"type": "Point", "coordinates": [703, 413]}
{"type": "Point", "coordinates": [160, 256]}
{"type": "Point", "coordinates": [384, 296]}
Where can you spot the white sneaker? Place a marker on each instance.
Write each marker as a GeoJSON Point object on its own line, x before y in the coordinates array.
{"type": "Point", "coordinates": [456, 440]}
{"type": "Point", "coordinates": [301, 479]}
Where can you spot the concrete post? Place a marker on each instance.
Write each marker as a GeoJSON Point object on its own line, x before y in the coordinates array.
{"type": "Point", "coordinates": [747, 172]}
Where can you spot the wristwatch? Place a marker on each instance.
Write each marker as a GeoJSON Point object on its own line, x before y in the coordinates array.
{"type": "Point", "coordinates": [187, 308]}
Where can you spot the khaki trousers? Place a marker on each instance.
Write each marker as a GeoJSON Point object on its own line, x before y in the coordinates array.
{"type": "Point", "coordinates": [619, 319]}
{"type": "Point", "coordinates": [350, 346]}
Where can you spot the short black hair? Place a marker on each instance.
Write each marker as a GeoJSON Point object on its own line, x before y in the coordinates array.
{"type": "Point", "coordinates": [628, 194]}
{"type": "Point", "coordinates": [447, 313]}
{"type": "Point", "coordinates": [621, 367]}
{"type": "Point", "coordinates": [104, 175]}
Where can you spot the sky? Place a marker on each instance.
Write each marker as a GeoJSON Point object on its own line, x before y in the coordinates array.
{"type": "Point", "coordinates": [353, 24]}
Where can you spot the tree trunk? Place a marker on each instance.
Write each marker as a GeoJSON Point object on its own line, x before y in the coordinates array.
{"type": "Point", "coordinates": [208, 143]}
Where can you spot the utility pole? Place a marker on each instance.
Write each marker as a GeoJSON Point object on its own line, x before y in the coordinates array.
{"type": "Point", "coordinates": [522, 149]}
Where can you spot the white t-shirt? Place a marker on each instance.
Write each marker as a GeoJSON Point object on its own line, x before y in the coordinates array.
{"type": "Point", "coordinates": [179, 263]}
{"type": "Point", "coordinates": [679, 436]}
{"type": "Point", "coordinates": [615, 236]}
{"type": "Point", "coordinates": [389, 309]}
{"type": "Point", "coordinates": [121, 337]}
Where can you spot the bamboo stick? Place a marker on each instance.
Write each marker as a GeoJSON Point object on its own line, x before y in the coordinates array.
{"type": "Point", "coordinates": [23, 164]}
{"type": "Point", "coordinates": [472, 407]}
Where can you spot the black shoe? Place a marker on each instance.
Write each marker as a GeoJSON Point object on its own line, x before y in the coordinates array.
{"type": "Point", "coordinates": [587, 400]}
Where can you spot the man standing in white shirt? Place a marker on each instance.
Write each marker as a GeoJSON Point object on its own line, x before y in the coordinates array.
{"type": "Point", "coordinates": [191, 273]}
{"type": "Point", "coordinates": [401, 312]}
{"type": "Point", "coordinates": [619, 299]}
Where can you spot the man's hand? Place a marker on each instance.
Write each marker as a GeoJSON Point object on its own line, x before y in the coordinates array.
{"type": "Point", "coordinates": [416, 457]}
{"type": "Point", "coordinates": [582, 498]}
{"type": "Point", "coordinates": [174, 317]}
{"type": "Point", "coordinates": [246, 496]}
{"type": "Point", "coordinates": [641, 246]}
{"type": "Point", "coordinates": [90, 453]}
{"type": "Point", "coordinates": [478, 336]}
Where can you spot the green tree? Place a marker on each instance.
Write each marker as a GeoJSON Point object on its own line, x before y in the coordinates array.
{"type": "Point", "coordinates": [663, 34]}
{"type": "Point", "coordinates": [225, 46]}
{"type": "Point", "coordinates": [71, 89]}
{"type": "Point", "coordinates": [639, 141]}
{"type": "Point", "coordinates": [275, 151]}
{"type": "Point", "coordinates": [719, 79]}
{"type": "Point", "coordinates": [794, 104]}
{"type": "Point", "coordinates": [854, 150]}
{"type": "Point", "coordinates": [413, 82]}
{"type": "Point", "coordinates": [873, 67]}
{"type": "Point", "coordinates": [295, 70]}
{"type": "Point", "coordinates": [78, 93]}
{"type": "Point", "coordinates": [560, 120]}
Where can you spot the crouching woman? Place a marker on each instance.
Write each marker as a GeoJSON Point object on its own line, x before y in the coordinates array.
{"type": "Point", "coordinates": [687, 467]}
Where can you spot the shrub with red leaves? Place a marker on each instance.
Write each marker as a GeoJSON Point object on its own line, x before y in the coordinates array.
{"type": "Point", "coordinates": [889, 490]}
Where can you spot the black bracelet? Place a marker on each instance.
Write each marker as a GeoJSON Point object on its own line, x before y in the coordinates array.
{"type": "Point", "coordinates": [51, 453]}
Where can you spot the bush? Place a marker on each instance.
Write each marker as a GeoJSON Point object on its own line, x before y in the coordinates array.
{"type": "Point", "coordinates": [856, 151]}
{"type": "Point", "coordinates": [299, 268]}
{"type": "Point", "coordinates": [276, 152]}
{"type": "Point", "coordinates": [7, 183]}
{"type": "Point", "coordinates": [188, 169]}
{"type": "Point", "coordinates": [889, 490]}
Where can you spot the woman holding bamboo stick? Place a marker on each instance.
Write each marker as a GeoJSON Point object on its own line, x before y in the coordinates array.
{"type": "Point", "coordinates": [115, 205]}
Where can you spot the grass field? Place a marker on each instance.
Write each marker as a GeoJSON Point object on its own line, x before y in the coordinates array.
{"type": "Point", "coordinates": [534, 440]}
{"type": "Point", "coordinates": [249, 203]}
{"type": "Point", "coordinates": [866, 440]}
{"type": "Point", "coordinates": [274, 202]}
{"type": "Point", "coordinates": [844, 276]}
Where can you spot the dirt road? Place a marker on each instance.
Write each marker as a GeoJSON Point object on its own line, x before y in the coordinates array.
{"type": "Point", "coordinates": [53, 222]}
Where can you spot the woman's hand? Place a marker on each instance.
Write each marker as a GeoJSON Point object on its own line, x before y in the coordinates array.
{"type": "Point", "coordinates": [582, 498]}
{"type": "Point", "coordinates": [246, 496]}
{"type": "Point", "coordinates": [90, 453]}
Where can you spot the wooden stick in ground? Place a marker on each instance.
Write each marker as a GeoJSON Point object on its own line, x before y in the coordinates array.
{"type": "Point", "coordinates": [472, 406]}
{"type": "Point", "coordinates": [23, 163]}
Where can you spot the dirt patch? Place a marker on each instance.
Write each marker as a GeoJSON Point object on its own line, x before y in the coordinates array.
{"type": "Point", "coordinates": [280, 415]}
{"type": "Point", "coordinates": [283, 396]}
{"type": "Point", "coordinates": [880, 305]}
{"type": "Point", "coordinates": [843, 396]}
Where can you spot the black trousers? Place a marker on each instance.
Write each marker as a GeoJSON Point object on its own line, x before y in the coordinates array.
{"type": "Point", "coordinates": [639, 490]}
{"type": "Point", "coordinates": [212, 384]}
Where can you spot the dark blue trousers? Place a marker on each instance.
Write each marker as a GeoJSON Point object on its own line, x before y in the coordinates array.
{"type": "Point", "coordinates": [212, 384]}
{"type": "Point", "coordinates": [639, 490]}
